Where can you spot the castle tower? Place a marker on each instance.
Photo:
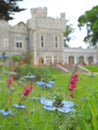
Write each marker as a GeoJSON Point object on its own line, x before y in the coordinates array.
{"type": "Point", "coordinates": [46, 36]}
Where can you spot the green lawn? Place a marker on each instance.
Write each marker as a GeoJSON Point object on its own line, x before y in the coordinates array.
{"type": "Point", "coordinates": [35, 117]}
{"type": "Point", "coordinates": [92, 68]}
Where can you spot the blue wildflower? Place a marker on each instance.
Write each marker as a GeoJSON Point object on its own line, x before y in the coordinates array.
{"type": "Point", "coordinates": [29, 76]}
{"type": "Point", "coordinates": [19, 106]}
{"type": "Point", "coordinates": [84, 98]}
{"type": "Point", "coordinates": [6, 112]}
{"type": "Point", "coordinates": [65, 107]}
{"type": "Point", "coordinates": [44, 84]}
{"type": "Point", "coordinates": [12, 73]}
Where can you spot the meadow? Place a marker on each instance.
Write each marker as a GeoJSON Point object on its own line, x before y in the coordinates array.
{"type": "Point", "coordinates": [34, 116]}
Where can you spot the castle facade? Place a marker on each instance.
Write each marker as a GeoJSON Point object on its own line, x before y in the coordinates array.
{"type": "Point", "coordinates": [43, 38]}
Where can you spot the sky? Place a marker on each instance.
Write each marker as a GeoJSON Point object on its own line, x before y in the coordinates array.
{"type": "Point", "coordinates": [72, 9]}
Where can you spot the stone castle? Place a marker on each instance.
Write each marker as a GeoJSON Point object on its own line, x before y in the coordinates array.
{"type": "Point", "coordinates": [42, 37]}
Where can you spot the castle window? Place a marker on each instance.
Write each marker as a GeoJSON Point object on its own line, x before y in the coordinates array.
{"type": "Point", "coordinates": [41, 38]}
{"type": "Point", "coordinates": [16, 44]}
{"type": "Point", "coordinates": [56, 45]}
{"type": "Point", "coordinates": [42, 44]}
{"type": "Point", "coordinates": [42, 41]}
{"type": "Point", "coordinates": [19, 44]}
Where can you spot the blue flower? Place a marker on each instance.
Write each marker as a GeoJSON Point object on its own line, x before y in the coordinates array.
{"type": "Point", "coordinates": [6, 112]}
{"type": "Point", "coordinates": [46, 102]}
{"type": "Point", "coordinates": [84, 98]}
{"type": "Point", "coordinates": [29, 76]}
{"type": "Point", "coordinates": [51, 82]}
{"type": "Point", "coordinates": [12, 73]}
{"type": "Point", "coordinates": [48, 85]}
{"type": "Point", "coordinates": [50, 108]}
{"type": "Point", "coordinates": [3, 56]}
{"type": "Point", "coordinates": [19, 106]}
{"type": "Point", "coordinates": [44, 84]}
{"type": "Point", "coordinates": [65, 108]}
{"type": "Point", "coordinates": [41, 83]}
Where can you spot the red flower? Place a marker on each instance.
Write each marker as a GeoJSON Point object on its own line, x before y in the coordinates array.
{"type": "Point", "coordinates": [73, 81]}
{"type": "Point", "coordinates": [21, 62]}
{"type": "Point", "coordinates": [71, 95]}
{"type": "Point", "coordinates": [76, 75]}
{"type": "Point", "coordinates": [72, 89]}
{"type": "Point", "coordinates": [73, 84]}
{"type": "Point", "coordinates": [10, 81]}
{"type": "Point", "coordinates": [27, 90]}
{"type": "Point", "coordinates": [15, 69]}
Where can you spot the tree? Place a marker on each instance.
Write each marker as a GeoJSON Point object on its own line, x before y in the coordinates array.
{"type": "Point", "coordinates": [9, 8]}
{"type": "Point", "coordinates": [90, 20]}
{"type": "Point", "coordinates": [67, 34]}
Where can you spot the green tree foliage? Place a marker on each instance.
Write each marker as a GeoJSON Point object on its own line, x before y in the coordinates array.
{"type": "Point", "coordinates": [90, 20]}
{"type": "Point", "coordinates": [16, 58]}
{"type": "Point", "coordinates": [8, 8]}
{"type": "Point", "coordinates": [67, 34]}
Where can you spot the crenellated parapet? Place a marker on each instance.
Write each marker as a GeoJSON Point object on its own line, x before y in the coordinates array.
{"type": "Point", "coordinates": [39, 12]}
{"type": "Point", "coordinates": [41, 20]}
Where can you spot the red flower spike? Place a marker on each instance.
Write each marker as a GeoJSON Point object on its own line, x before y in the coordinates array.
{"type": "Point", "coordinates": [72, 84]}
{"type": "Point", "coordinates": [10, 81]}
{"type": "Point", "coordinates": [27, 90]}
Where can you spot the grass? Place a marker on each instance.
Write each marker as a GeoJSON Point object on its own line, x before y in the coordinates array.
{"type": "Point", "coordinates": [35, 117]}
{"type": "Point", "coordinates": [92, 68]}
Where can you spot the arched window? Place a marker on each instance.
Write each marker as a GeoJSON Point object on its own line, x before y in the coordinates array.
{"type": "Point", "coordinates": [71, 60]}
{"type": "Point", "coordinates": [81, 59]}
{"type": "Point", "coordinates": [90, 59]}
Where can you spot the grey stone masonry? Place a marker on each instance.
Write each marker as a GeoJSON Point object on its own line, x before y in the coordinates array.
{"type": "Point", "coordinates": [43, 38]}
